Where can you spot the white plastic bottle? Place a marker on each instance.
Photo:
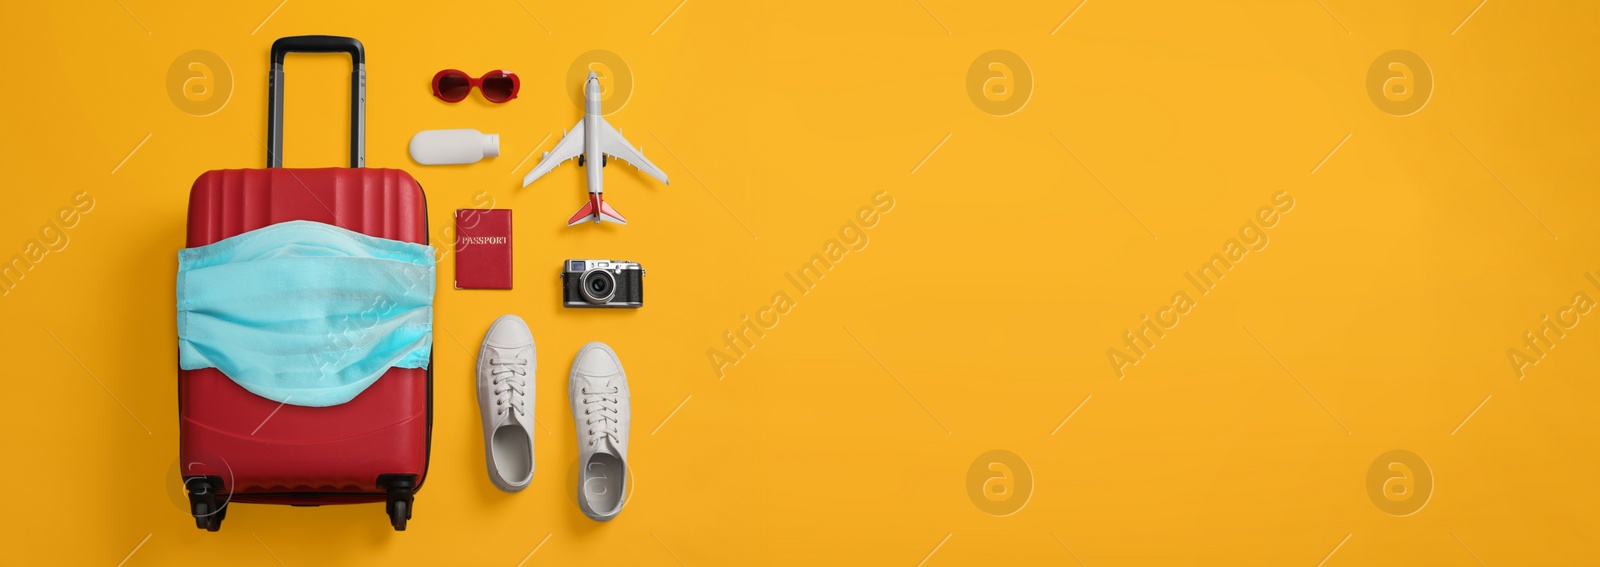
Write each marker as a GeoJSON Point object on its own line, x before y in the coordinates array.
{"type": "Point", "coordinates": [447, 147]}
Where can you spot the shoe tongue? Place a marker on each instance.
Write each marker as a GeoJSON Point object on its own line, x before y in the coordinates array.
{"type": "Point", "coordinates": [510, 418]}
{"type": "Point", "coordinates": [605, 446]}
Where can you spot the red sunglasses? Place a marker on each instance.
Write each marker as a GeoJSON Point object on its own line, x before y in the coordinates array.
{"type": "Point", "coordinates": [499, 85]}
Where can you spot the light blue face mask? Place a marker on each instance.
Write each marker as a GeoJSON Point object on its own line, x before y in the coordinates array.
{"type": "Point", "coordinates": [305, 313]}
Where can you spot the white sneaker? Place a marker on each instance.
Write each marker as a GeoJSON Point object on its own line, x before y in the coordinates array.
{"type": "Point", "coordinates": [601, 411]}
{"type": "Point", "coordinates": [505, 398]}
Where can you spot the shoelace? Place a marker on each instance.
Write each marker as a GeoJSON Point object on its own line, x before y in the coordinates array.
{"type": "Point", "coordinates": [602, 411]}
{"type": "Point", "coordinates": [509, 384]}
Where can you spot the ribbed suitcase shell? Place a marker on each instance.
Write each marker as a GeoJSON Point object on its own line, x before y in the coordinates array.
{"type": "Point", "coordinates": [276, 453]}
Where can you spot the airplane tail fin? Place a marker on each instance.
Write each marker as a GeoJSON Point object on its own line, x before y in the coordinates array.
{"type": "Point", "coordinates": [596, 210]}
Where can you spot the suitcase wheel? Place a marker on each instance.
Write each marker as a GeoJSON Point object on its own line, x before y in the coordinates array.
{"type": "Point", "coordinates": [400, 488]}
{"type": "Point", "coordinates": [202, 516]}
{"type": "Point", "coordinates": [398, 514]}
{"type": "Point", "coordinates": [207, 520]}
{"type": "Point", "coordinates": [203, 505]}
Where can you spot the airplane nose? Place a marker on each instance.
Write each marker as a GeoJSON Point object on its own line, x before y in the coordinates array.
{"type": "Point", "coordinates": [592, 76]}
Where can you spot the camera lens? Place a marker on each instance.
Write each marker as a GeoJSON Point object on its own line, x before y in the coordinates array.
{"type": "Point", "coordinates": [598, 286]}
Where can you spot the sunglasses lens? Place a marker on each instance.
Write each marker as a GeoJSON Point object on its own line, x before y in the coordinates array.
{"type": "Point", "coordinates": [453, 87]}
{"type": "Point", "coordinates": [499, 87]}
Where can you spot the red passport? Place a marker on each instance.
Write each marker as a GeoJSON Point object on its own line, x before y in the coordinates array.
{"type": "Point", "coordinates": [483, 249]}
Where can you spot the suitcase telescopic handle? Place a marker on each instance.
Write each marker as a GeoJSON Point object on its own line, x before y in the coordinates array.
{"type": "Point", "coordinates": [358, 92]}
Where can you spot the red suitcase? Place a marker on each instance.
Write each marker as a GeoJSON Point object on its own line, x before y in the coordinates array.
{"type": "Point", "coordinates": [239, 447]}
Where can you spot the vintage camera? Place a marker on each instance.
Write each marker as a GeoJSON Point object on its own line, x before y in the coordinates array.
{"type": "Point", "coordinates": [602, 283]}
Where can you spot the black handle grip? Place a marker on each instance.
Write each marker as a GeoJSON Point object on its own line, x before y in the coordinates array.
{"type": "Point", "coordinates": [318, 44]}
{"type": "Point", "coordinates": [358, 92]}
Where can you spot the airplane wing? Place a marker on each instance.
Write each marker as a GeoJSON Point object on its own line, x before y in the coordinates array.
{"type": "Point", "coordinates": [614, 145]}
{"type": "Point", "coordinates": [570, 146]}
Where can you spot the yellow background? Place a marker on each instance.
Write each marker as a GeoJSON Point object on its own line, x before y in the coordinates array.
{"type": "Point", "coordinates": [1419, 251]}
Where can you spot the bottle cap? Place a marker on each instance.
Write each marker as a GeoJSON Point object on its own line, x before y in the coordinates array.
{"type": "Point", "coordinates": [491, 145]}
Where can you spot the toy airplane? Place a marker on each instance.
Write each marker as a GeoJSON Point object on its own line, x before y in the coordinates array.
{"type": "Point", "coordinates": [593, 138]}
